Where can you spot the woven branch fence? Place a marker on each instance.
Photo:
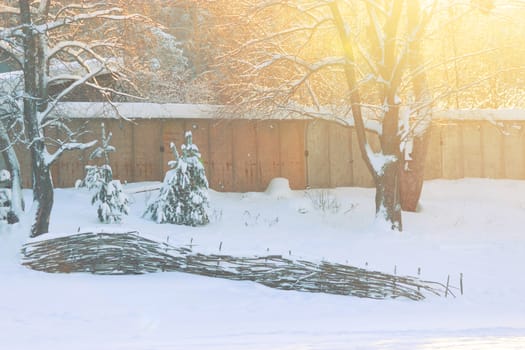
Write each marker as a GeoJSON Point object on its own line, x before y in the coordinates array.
{"type": "Point", "coordinates": [130, 253]}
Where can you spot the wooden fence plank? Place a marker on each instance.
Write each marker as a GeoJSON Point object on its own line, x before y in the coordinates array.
{"type": "Point", "coordinates": [268, 155]}
{"type": "Point", "coordinates": [472, 155]}
{"type": "Point", "coordinates": [220, 175]}
{"type": "Point", "coordinates": [361, 174]}
{"type": "Point", "coordinates": [513, 145]}
{"type": "Point", "coordinates": [293, 167]}
{"type": "Point", "coordinates": [244, 156]}
{"type": "Point", "coordinates": [492, 150]}
{"type": "Point", "coordinates": [452, 149]}
{"type": "Point", "coordinates": [94, 132]}
{"type": "Point", "coordinates": [55, 134]}
{"type": "Point", "coordinates": [199, 130]}
{"type": "Point", "coordinates": [72, 164]}
{"type": "Point", "coordinates": [121, 160]}
{"type": "Point", "coordinates": [172, 132]}
{"type": "Point", "coordinates": [340, 150]}
{"type": "Point", "coordinates": [147, 150]}
{"type": "Point", "coordinates": [318, 154]}
{"type": "Point", "coordinates": [24, 158]}
{"type": "Point", "coordinates": [433, 162]}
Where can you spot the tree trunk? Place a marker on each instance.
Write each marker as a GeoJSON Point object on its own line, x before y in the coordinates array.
{"type": "Point", "coordinates": [42, 193]}
{"type": "Point", "coordinates": [411, 173]}
{"type": "Point", "coordinates": [11, 161]}
{"type": "Point", "coordinates": [388, 200]}
{"type": "Point", "coordinates": [388, 203]}
{"type": "Point", "coordinates": [42, 182]}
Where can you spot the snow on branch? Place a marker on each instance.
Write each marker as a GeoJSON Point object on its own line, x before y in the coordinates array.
{"type": "Point", "coordinates": [11, 32]}
{"type": "Point", "coordinates": [4, 9]}
{"type": "Point", "coordinates": [60, 72]}
{"type": "Point", "coordinates": [64, 46]}
{"type": "Point", "coordinates": [378, 160]}
{"type": "Point", "coordinates": [113, 13]}
{"type": "Point", "coordinates": [94, 68]}
{"type": "Point", "coordinates": [72, 7]}
{"type": "Point", "coordinates": [12, 51]}
{"type": "Point", "coordinates": [68, 146]}
{"type": "Point", "coordinates": [78, 81]}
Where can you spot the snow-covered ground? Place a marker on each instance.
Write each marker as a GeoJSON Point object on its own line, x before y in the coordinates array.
{"type": "Point", "coordinates": [472, 227]}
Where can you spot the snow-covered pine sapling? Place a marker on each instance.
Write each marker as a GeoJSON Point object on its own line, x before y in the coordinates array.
{"type": "Point", "coordinates": [183, 197]}
{"type": "Point", "coordinates": [108, 194]}
{"type": "Point", "coordinates": [95, 173]}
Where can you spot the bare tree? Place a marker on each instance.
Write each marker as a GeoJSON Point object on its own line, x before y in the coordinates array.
{"type": "Point", "coordinates": [416, 137]}
{"type": "Point", "coordinates": [50, 42]}
{"type": "Point", "coordinates": [340, 60]}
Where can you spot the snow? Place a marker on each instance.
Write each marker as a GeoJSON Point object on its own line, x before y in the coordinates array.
{"type": "Point", "coordinates": [397, 100]}
{"type": "Point", "coordinates": [472, 227]}
{"type": "Point", "coordinates": [379, 160]}
{"type": "Point", "coordinates": [503, 114]}
{"type": "Point", "coordinates": [131, 110]}
{"type": "Point", "coordinates": [13, 81]}
{"type": "Point", "coordinates": [279, 187]}
{"type": "Point", "coordinates": [146, 110]}
{"type": "Point", "coordinates": [5, 175]}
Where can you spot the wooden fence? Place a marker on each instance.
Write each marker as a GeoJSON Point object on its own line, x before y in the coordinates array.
{"type": "Point", "coordinates": [243, 155]}
{"type": "Point", "coordinates": [457, 149]}
{"type": "Point", "coordinates": [239, 155]}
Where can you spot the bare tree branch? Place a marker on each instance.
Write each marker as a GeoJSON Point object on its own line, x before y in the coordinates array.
{"type": "Point", "coordinates": [69, 146]}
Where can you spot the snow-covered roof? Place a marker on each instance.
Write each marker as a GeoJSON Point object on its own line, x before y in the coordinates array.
{"type": "Point", "coordinates": [58, 71]}
{"type": "Point", "coordinates": [128, 110]}
{"type": "Point", "coordinates": [146, 110]}
{"type": "Point", "coordinates": [480, 114]}
{"type": "Point", "coordinates": [133, 110]}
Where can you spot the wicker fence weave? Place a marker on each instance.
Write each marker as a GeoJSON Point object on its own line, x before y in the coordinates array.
{"type": "Point", "coordinates": [129, 253]}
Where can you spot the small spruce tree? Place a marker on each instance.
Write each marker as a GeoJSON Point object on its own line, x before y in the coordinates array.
{"type": "Point", "coordinates": [183, 197]}
{"type": "Point", "coordinates": [108, 194]}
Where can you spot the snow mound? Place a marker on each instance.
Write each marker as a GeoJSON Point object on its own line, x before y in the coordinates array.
{"type": "Point", "coordinates": [5, 175]}
{"type": "Point", "coordinates": [279, 187]}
